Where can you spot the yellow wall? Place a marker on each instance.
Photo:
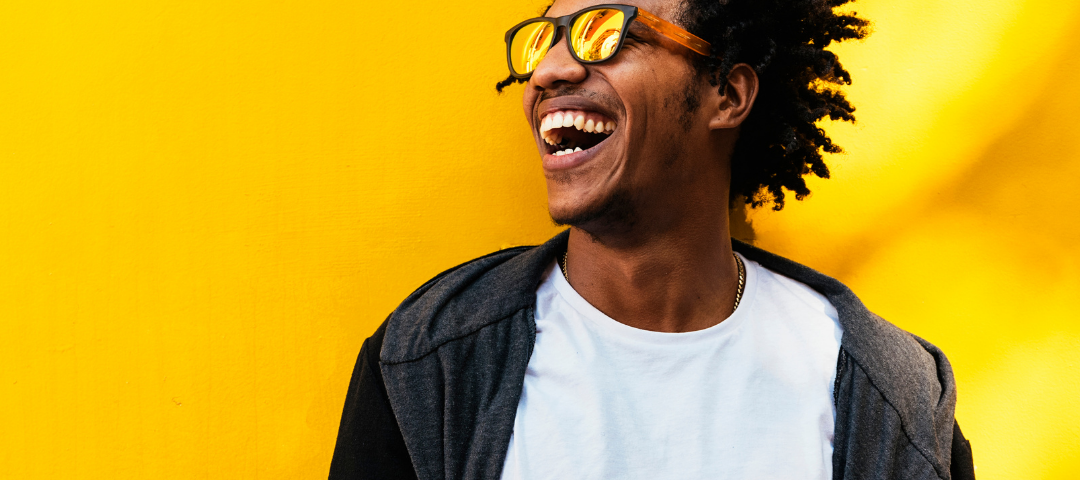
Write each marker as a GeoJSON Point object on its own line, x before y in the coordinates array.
{"type": "Point", "coordinates": [206, 206]}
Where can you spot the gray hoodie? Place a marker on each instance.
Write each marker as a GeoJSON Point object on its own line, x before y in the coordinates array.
{"type": "Point", "coordinates": [436, 388]}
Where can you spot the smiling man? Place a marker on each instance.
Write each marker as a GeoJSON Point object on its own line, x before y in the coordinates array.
{"type": "Point", "coordinates": [643, 342]}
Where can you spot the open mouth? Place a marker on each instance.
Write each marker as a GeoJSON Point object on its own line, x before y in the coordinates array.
{"type": "Point", "coordinates": [569, 131]}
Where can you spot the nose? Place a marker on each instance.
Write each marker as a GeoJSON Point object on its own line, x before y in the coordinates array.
{"type": "Point", "coordinates": [558, 66]}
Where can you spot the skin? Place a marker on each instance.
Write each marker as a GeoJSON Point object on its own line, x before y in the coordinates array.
{"type": "Point", "coordinates": [648, 207]}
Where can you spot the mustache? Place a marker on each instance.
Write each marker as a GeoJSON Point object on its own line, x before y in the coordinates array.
{"type": "Point", "coordinates": [572, 91]}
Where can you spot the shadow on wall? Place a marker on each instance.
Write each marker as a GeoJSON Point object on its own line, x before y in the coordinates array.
{"type": "Point", "coordinates": [740, 226]}
{"type": "Point", "coordinates": [987, 266]}
{"type": "Point", "coordinates": [1021, 188]}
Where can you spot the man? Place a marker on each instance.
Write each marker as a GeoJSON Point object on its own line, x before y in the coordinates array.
{"type": "Point", "coordinates": [642, 343]}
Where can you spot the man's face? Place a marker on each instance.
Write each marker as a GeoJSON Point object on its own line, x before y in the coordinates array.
{"type": "Point", "coordinates": [646, 99]}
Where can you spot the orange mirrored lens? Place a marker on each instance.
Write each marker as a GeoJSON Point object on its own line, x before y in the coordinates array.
{"type": "Point", "coordinates": [529, 45]}
{"type": "Point", "coordinates": [596, 33]}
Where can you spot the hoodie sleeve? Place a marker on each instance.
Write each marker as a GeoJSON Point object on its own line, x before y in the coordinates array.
{"type": "Point", "coordinates": [369, 442]}
{"type": "Point", "coordinates": [963, 466]}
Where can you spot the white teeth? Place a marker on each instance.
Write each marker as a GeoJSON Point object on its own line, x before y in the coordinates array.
{"type": "Point", "coordinates": [578, 149]}
{"type": "Point", "coordinates": [564, 152]}
{"type": "Point", "coordinates": [545, 132]}
{"type": "Point", "coordinates": [571, 119]}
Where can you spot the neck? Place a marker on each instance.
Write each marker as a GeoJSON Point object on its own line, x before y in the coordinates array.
{"type": "Point", "coordinates": [669, 277]}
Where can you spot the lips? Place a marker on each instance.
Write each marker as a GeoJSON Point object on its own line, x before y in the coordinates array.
{"type": "Point", "coordinates": [568, 131]}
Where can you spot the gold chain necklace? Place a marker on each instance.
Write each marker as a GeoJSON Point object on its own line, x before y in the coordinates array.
{"type": "Point", "coordinates": [742, 282]}
{"type": "Point", "coordinates": [738, 261]}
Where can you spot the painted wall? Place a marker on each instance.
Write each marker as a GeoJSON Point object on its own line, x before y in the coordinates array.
{"type": "Point", "coordinates": [206, 206]}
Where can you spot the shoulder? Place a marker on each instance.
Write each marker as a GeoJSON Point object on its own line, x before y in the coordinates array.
{"type": "Point", "coordinates": [911, 374]}
{"type": "Point", "coordinates": [806, 300]}
{"type": "Point", "coordinates": [465, 298]}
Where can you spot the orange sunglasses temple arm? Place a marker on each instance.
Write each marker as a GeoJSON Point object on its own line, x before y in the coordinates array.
{"type": "Point", "coordinates": [670, 30]}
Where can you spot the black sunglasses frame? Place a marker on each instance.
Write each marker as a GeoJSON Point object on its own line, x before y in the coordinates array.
{"type": "Point", "coordinates": [565, 23]}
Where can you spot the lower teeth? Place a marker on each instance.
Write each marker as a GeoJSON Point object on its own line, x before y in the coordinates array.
{"type": "Point", "coordinates": [564, 152]}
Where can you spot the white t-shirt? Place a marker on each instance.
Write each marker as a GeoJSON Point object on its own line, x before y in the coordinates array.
{"type": "Point", "coordinates": [749, 398]}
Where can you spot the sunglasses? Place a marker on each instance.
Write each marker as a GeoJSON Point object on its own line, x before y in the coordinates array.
{"type": "Point", "coordinates": [594, 34]}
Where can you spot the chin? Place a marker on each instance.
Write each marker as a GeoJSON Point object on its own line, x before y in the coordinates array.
{"type": "Point", "coordinates": [615, 212]}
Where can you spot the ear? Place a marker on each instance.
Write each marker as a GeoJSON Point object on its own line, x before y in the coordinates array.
{"type": "Point", "coordinates": [731, 108]}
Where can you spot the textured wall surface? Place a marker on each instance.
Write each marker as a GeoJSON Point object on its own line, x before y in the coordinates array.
{"type": "Point", "coordinates": [206, 206]}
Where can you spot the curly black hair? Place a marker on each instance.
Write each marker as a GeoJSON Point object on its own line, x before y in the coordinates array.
{"type": "Point", "coordinates": [784, 41]}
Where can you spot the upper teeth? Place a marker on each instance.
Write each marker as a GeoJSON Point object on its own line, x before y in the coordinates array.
{"type": "Point", "coordinates": [589, 122]}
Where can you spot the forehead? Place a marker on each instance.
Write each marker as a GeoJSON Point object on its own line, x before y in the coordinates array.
{"type": "Point", "coordinates": [665, 9]}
